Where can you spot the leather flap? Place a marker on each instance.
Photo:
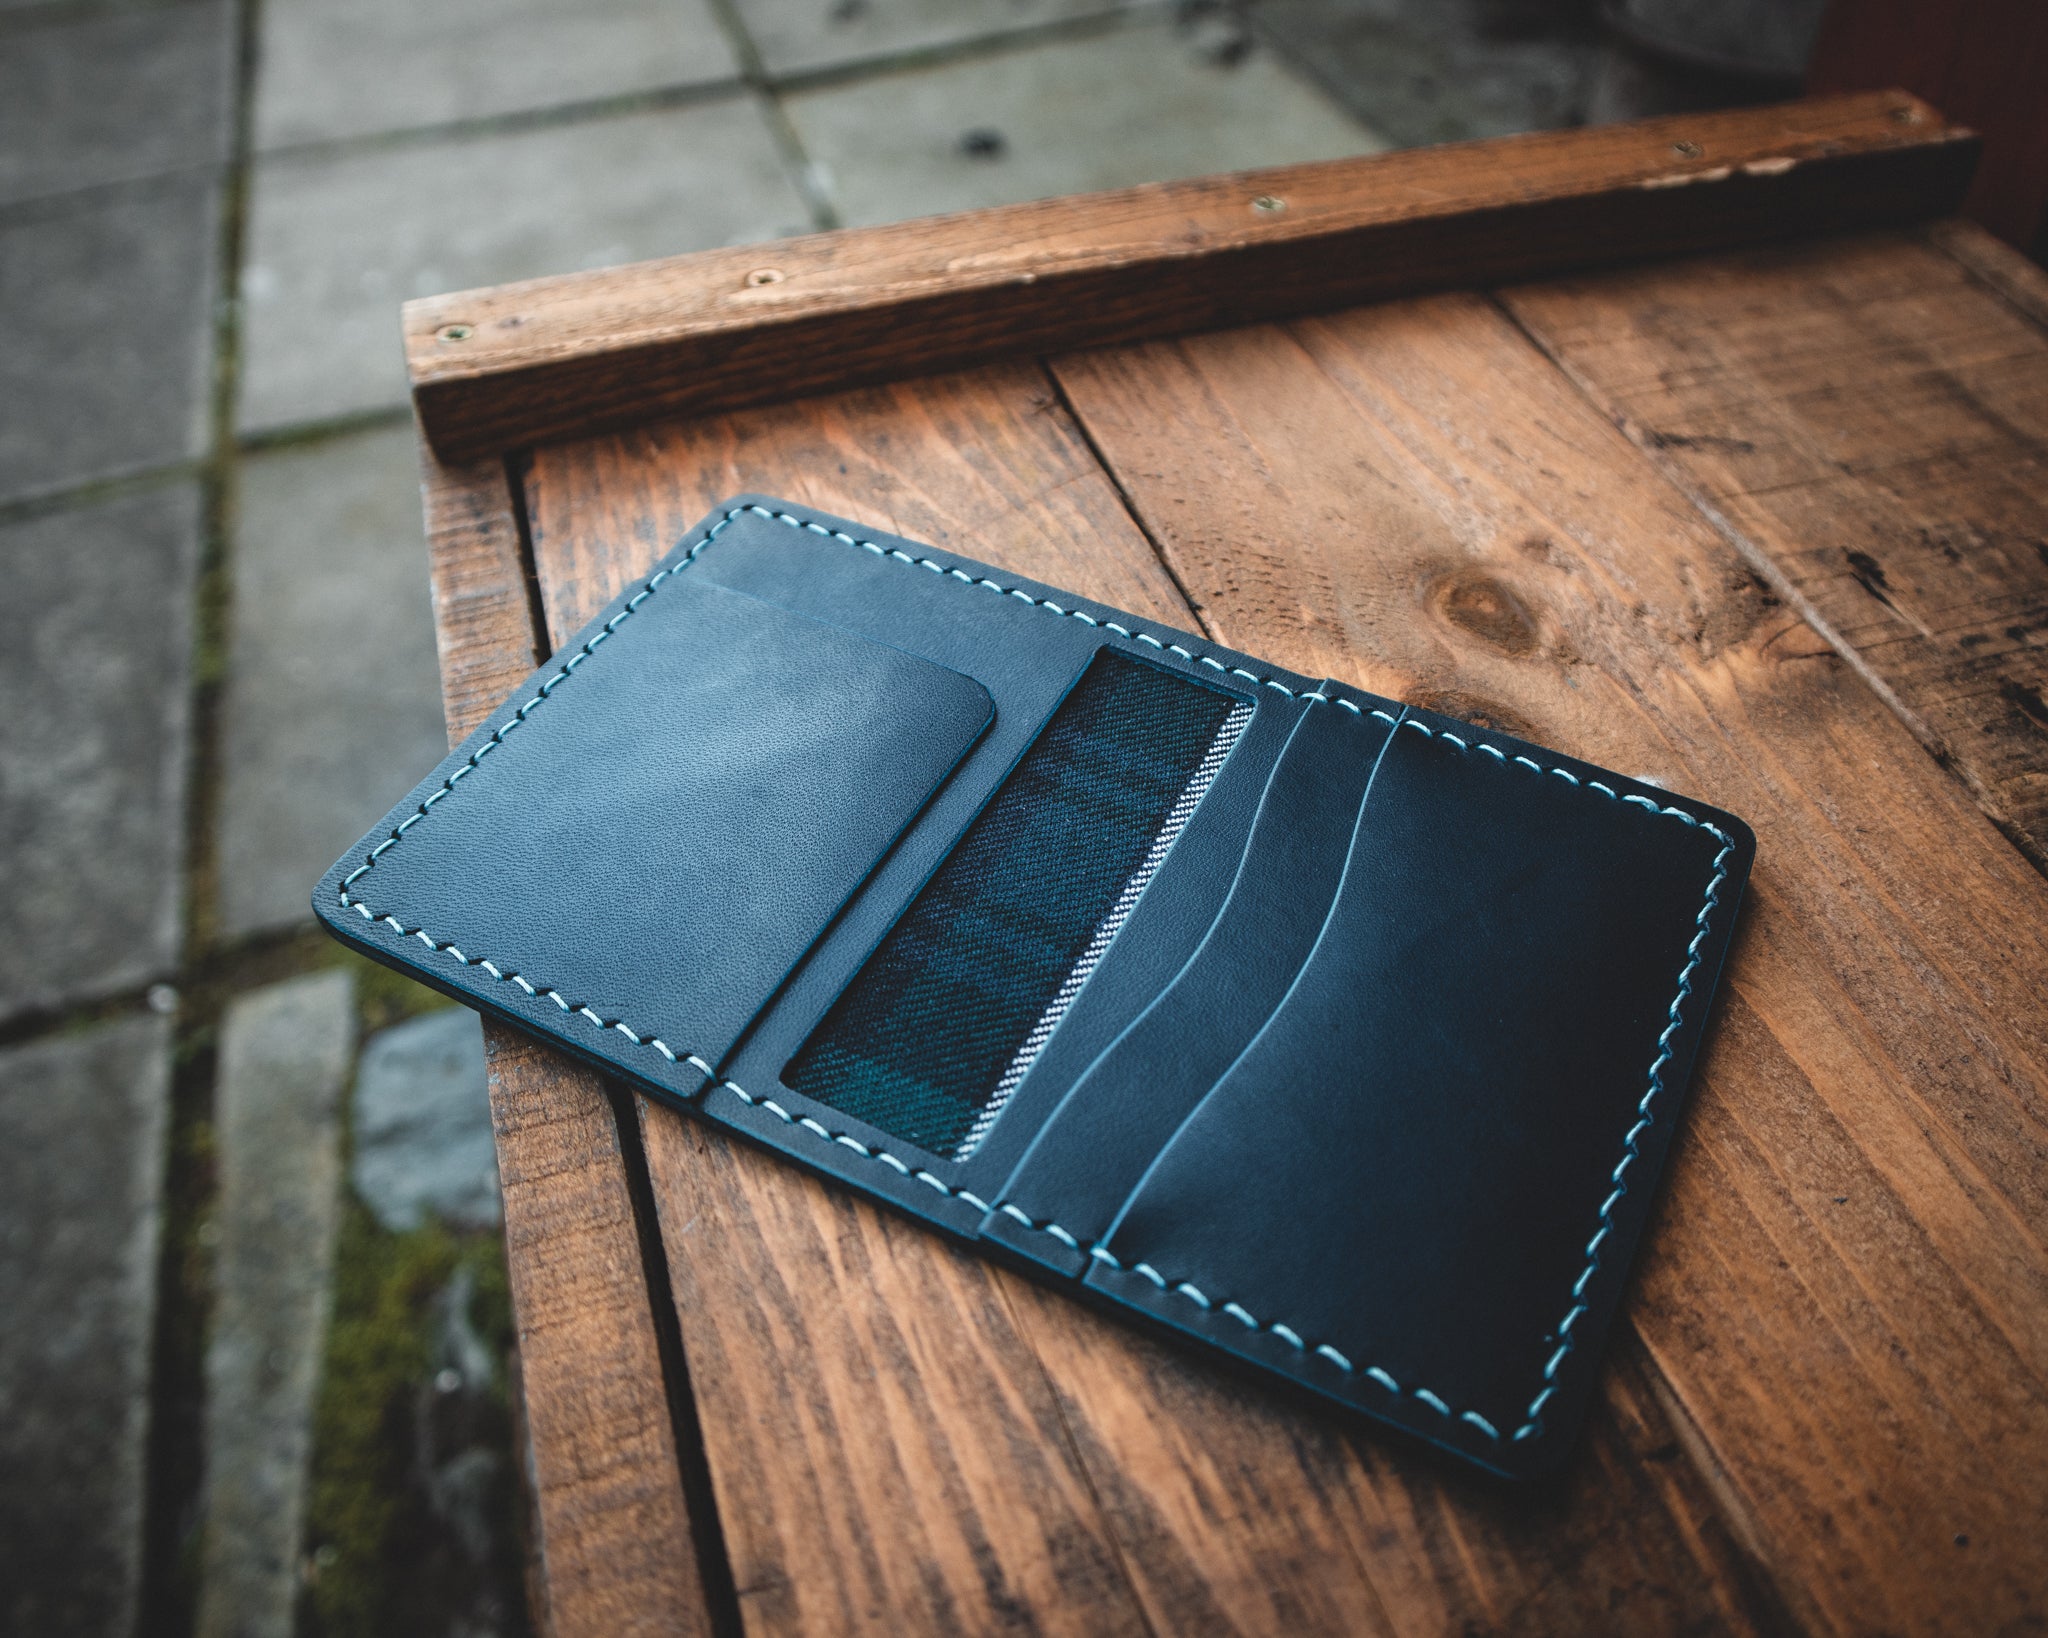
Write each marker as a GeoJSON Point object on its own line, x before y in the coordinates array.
{"type": "Point", "coordinates": [660, 844]}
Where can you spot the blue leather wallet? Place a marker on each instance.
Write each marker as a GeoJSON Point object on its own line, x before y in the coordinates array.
{"type": "Point", "coordinates": [1338, 1037]}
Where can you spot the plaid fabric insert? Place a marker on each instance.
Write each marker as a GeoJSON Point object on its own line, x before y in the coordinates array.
{"type": "Point", "coordinates": [945, 1015]}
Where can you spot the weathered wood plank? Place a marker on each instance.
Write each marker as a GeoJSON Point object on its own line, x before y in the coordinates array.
{"type": "Point", "coordinates": [1237, 1510]}
{"type": "Point", "coordinates": [904, 1437]}
{"type": "Point", "coordinates": [554, 358]}
{"type": "Point", "coordinates": [483, 624]}
{"type": "Point", "coordinates": [1996, 265]}
{"type": "Point", "coordinates": [1870, 429]}
{"type": "Point", "coordinates": [953, 461]}
{"type": "Point", "coordinates": [887, 1453]}
{"type": "Point", "coordinates": [1846, 1301]}
{"type": "Point", "coordinates": [613, 1532]}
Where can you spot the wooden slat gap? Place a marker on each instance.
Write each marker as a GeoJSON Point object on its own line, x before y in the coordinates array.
{"type": "Point", "coordinates": [1197, 617]}
{"type": "Point", "coordinates": [517, 463]}
{"type": "Point", "coordinates": [590, 1367]}
{"type": "Point", "coordinates": [707, 1537]}
{"type": "Point", "coordinates": [1760, 1586]}
{"type": "Point", "coordinates": [700, 1497]}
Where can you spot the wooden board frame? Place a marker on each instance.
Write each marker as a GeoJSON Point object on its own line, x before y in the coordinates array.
{"type": "Point", "coordinates": [549, 359]}
{"type": "Point", "coordinates": [626, 1532]}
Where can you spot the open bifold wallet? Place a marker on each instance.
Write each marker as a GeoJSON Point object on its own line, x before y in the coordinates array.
{"type": "Point", "coordinates": [1340, 1038]}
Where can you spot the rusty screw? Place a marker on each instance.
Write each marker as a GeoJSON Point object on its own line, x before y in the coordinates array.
{"type": "Point", "coordinates": [764, 275]}
{"type": "Point", "coordinates": [1268, 204]}
{"type": "Point", "coordinates": [1906, 114]}
{"type": "Point", "coordinates": [454, 332]}
{"type": "Point", "coordinates": [1687, 150]}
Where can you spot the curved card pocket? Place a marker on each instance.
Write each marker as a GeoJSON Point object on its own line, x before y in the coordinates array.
{"type": "Point", "coordinates": [943, 1021]}
{"type": "Point", "coordinates": [1168, 924]}
{"type": "Point", "coordinates": [1116, 1117]}
{"type": "Point", "coordinates": [1450, 1125]}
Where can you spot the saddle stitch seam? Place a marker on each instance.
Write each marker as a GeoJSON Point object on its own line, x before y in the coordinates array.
{"type": "Point", "coordinates": [1532, 1425]}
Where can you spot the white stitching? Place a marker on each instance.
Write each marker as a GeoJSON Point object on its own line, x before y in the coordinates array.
{"type": "Point", "coordinates": [1183, 809]}
{"type": "Point", "coordinates": [1532, 1418]}
{"type": "Point", "coordinates": [655, 580]}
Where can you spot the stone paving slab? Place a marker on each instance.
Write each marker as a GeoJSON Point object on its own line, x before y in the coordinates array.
{"type": "Point", "coordinates": [795, 35]}
{"type": "Point", "coordinates": [1444, 70]}
{"type": "Point", "coordinates": [1146, 104]}
{"type": "Point", "coordinates": [348, 68]}
{"type": "Point", "coordinates": [95, 660]}
{"type": "Point", "coordinates": [284, 1059]}
{"type": "Point", "coordinates": [338, 242]}
{"type": "Point", "coordinates": [83, 1118]}
{"type": "Point", "coordinates": [115, 97]}
{"type": "Point", "coordinates": [420, 1121]}
{"type": "Point", "coordinates": [333, 702]}
{"type": "Point", "coordinates": [106, 334]}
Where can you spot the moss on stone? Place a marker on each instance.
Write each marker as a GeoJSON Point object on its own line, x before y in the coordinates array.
{"type": "Point", "coordinates": [380, 1562]}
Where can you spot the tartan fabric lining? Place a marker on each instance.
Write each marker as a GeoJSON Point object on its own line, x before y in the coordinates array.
{"type": "Point", "coordinates": [928, 1034]}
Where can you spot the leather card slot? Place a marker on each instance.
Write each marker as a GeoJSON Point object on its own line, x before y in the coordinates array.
{"type": "Point", "coordinates": [1089, 1155]}
{"type": "Point", "coordinates": [1416, 1186]}
{"type": "Point", "coordinates": [947, 1015]}
{"type": "Point", "coordinates": [658, 843]}
{"type": "Point", "coordinates": [1169, 923]}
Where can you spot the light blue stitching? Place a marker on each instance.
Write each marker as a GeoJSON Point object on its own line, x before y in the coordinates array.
{"type": "Point", "coordinates": [1532, 1424]}
{"type": "Point", "coordinates": [1532, 1418]}
{"type": "Point", "coordinates": [655, 580]}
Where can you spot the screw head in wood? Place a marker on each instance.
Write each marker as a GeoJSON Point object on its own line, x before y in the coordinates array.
{"type": "Point", "coordinates": [1906, 114]}
{"type": "Point", "coordinates": [454, 332]}
{"type": "Point", "coordinates": [1269, 204]}
{"type": "Point", "coordinates": [1689, 150]}
{"type": "Point", "coordinates": [765, 275]}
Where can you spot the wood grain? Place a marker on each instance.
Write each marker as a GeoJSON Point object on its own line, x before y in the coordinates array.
{"type": "Point", "coordinates": [1845, 1306]}
{"type": "Point", "coordinates": [553, 358]}
{"type": "Point", "coordinates": [483, 623]}
{"type": "Point", "coordinates": [1867, 429]}
{"type": "Point", "coordinates": [904, 1438]}
{"type": "Point", "coordinates": [613, 1536]}
{"type": "Point", "coordinates": [1997, 265]}
{"type": "Point", "coordinates": [1237, 1510]}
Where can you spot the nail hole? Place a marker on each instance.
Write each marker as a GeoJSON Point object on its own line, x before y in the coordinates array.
{"type": "Point", "coordinates": [765, 275]}
{"type": "Point", "coordinates": [454, 332]}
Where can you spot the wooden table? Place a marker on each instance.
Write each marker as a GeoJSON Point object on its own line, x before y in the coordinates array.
{"type": "Point", "coordinates": [1759, 512]}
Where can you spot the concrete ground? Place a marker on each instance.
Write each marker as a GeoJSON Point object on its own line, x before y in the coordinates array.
{"type": "Point", "coordinates": [254, 1356]}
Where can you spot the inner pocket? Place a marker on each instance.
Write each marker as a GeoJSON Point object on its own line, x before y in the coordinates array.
{"type": "Point", "coordinates": [1407, 1162]}
{"type": "Point", "coordinates": [1090, 1153]}
{"type": "Point", "coordinates": [941, 1022]}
